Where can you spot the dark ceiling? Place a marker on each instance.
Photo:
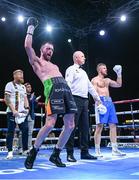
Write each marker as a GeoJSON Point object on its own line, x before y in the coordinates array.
{"type": "Point", "coordinates": [80, 21]}
{"type": "Point", "coordinates": [73, 15]}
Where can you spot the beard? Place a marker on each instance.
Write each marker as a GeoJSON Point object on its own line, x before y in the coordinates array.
{"type": "Point", "coordinates": [21, 81]}
{"type": "Point", "coordinates": [105, 74]}
{"type": "Point", "coordinates": [47, 57]}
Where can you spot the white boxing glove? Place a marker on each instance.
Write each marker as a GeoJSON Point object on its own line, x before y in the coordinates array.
{"type": "Point", "coordinates": [118, 70]}
{"type": "Point", "coordinates": [101, 109]}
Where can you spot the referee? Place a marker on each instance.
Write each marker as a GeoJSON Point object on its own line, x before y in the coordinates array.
{"type": "Point", "coordinates": [80, 86]}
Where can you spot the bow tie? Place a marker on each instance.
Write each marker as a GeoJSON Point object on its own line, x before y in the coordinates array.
{"type": "Point", "coordinates": [81, 66]}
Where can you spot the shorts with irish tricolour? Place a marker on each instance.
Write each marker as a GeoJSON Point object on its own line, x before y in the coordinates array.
{"type": "Point", "coordinates": [58, 97]}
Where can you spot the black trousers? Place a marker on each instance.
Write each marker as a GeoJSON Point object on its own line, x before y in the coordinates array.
{"type": "Point", "coordinates": [82, 122]}
{"type": "Point", "coordinates": [11, 128]}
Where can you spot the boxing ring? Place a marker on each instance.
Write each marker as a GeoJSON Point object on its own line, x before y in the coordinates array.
{"type": "Point", "coordinates": [108, 167]}
{"type": "Point", "coordinates": [128, 125]}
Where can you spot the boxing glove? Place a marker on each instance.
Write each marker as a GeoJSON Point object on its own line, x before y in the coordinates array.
{"type": "Point", "coordinates": [118, 70]}
{"type": "Point", "coordinates": [101, 109]}
{"type": "Point", "coordinates": [32, 23]}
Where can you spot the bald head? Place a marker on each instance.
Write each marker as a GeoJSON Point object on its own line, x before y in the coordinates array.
{"type": "Point", "coordinates": [78, 57]}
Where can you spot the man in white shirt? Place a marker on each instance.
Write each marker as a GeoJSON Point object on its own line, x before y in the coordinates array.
{"type": "Point", "coordinates": [80, 85]}
{"type": "Point", "coordinates": [17, 110]}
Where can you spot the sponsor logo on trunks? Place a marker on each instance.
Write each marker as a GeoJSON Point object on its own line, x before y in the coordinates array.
{"type": "Point", "coordinates": [57, 108]}
{"type": "Point", "coordinates": [61, 90]}
{"type": "Point", "coordinates": [57, 101]}
{"type": "Point", "coordinates": [73, 109]}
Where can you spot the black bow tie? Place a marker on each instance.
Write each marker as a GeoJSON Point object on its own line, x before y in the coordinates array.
{"type": "Point", "coordinates": [81, 66]}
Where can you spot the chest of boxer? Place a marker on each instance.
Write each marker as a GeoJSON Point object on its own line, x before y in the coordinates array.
{"type": "Point", "coordinates": [47, 70]}
{"type": "Point", "coordinates": [102, 83]}
{"type": "Point", "coordinates": [103, 87]}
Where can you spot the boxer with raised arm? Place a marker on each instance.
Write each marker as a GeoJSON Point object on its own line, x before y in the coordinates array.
{"type": "Point", "coordinates": [58, 97]}
{"type": "Point", "coordinates": [102, 84]}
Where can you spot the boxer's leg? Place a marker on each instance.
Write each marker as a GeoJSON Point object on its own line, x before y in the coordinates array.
{"type": "Point", "coordinates": [100, 120]}
{"type": "Point", "coordinates": [67, 129]}
{"type": "Point", "coordinates": [113, 131]}
{"type": "Point", "coordinates": [113, 136]}
{"type": "Point", "coordinates": [63, 138]}
{"type": "Point", "coordinates": [44, 131]}
{"type": "Point", "coordinates": [97, 139]}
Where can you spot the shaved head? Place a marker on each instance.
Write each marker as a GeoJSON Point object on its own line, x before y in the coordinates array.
{"type": "Point", "coordinates": [102, 69]}
{"type": "Point", "coordinates": [99, 65]}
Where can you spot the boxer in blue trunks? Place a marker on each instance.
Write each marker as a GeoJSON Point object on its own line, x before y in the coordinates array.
{"type": "Point", "coordinates": [110, 116]}
{"type": "Point", "coordinates": [102, 84]}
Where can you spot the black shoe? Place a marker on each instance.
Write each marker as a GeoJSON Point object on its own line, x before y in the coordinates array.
{"type": "Point", "coordinates": [57, 161]}
{"type": "Point", "coordinates": [71, 158]}
{"type": "Point", "coordinates": [31, 158]}
{"type": "Point", "coordinates": [88, 156]}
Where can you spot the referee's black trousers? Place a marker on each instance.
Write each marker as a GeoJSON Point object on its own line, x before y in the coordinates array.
{"type": "Point", "coordinates": [82, 122]}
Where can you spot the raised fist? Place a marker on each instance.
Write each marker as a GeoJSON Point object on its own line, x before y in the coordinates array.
{"type": "Point", "coordinates": [32, 21]}
{"type": "Point", "coordinates": [118, 70]}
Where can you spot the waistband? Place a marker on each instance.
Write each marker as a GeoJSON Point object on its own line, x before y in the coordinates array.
{"type": "Point", "coordinates": [105, 98]}
{"type": "Point", "coordinates": [56, 80]}
{"type": "Point", "coordinates": [76, 96]}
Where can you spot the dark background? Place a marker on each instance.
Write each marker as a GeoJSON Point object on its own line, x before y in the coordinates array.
{"type": "Point", "coordinates": [119, 46]}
